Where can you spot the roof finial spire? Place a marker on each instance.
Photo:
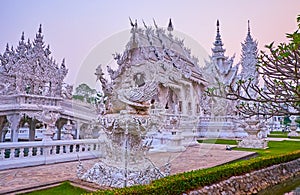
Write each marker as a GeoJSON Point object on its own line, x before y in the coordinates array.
{"type": "Point", "coordinates": [249, 27]}
{"type": "Point", "coordinates": [170, 26]}
{"type": "Point", "coordinates": [218, 37]}
{"type": "Point", "coordinates": [40, 29]}
{"type": "Point", "coordinates": [63, 63]}
{"type": "Point", "coordinates": [218, 50]}
{"type": "Point", "coordinates": [154, 22]}
{"type": "Point", "coordinates": [22, 37]}
{"type": "Point", "coordinates": [131, 23]}
{"type": "Point", "coordinates": [135, 24]}
{"type": "Point", "coordinates": [218, 24]}
{"type": "Point", "coordinates": [144, 24]}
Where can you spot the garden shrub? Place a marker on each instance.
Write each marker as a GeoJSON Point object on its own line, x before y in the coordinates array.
{"type": "Point", "coordinates": [184, 182]}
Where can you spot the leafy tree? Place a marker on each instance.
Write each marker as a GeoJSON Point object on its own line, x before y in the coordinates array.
{"type": "Point", "coordinates": [286, 120]}
{"type": "Point", "coordinates": [84, 93]}
{"type": "Point", "coordinates": [280, 71]}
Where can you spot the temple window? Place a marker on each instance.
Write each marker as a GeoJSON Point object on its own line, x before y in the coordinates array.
{"type": "Point", "coordinates": [27, 89]}
{"type": "Point", "coordinates": [139, 79]}
{"type": "Point", "coordinates": [180, 106]}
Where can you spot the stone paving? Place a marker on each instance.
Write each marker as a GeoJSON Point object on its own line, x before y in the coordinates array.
{"type": "Point", "coordinates": [196, 157]}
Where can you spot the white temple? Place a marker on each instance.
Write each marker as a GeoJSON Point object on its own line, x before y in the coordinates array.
{"type": "Point", "coordinates": [153, 102]}
{"type": "Point", "coordinates": [156, 76]}
{"type": "Point", "coordinates": [150, 103]}
{"type": "Point", "coordinates": [32, 90]}
{"type": "Point", "coordinates": [156, 61]}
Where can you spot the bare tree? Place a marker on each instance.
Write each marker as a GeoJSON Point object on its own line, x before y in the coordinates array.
{"type": "Point", "coordinates": [279, 70]}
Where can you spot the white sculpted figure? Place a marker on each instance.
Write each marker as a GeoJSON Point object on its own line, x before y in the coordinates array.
{"type": "Point", "coordinates": [67, 92]}
{"type": "Point", "coordinates": [49, 118]}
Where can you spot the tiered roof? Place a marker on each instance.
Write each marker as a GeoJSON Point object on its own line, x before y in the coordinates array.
{"type": "Point", "coordinates": [220, 66]}
{"type": "Point", "coordinates": [30, 69]}
{"type": "Point", "coordinates": [249, 57]}
{"type": "Point", "coordinates": [164, 47]}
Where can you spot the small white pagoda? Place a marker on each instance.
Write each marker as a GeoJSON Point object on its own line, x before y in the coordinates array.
{"type": "Point", "coordinates": [220, 115]}
{"type": "Point", "coordinates": [249, 61]}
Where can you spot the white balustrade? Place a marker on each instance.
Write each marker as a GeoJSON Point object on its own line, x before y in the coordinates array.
{"type": "Point", "coordinates": [22, 154]}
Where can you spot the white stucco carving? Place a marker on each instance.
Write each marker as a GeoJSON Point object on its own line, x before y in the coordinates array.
{"type": "Point", "coordinates": [31, 81]}
{"type": "Point", "coordinates": [249, 61]}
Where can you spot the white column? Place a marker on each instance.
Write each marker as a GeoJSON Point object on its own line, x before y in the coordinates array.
{"type": "Point", "coordinates": [193, 103]}
{"type": "Point", "coordinates": [14, 121]}
{"type": "Point", "coordinates": [183, 98]}
{"type": "Point", "coordinates": [78, 124]}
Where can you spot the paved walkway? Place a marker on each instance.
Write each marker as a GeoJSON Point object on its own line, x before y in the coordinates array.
{"type": "Point", "coordinates": [196, 157]}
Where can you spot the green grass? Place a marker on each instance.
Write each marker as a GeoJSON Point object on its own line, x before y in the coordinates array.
{"type": "Point", "coordinates": [275, 148]}
{"type": "Point", "coordinates": [63, 189]}
{"type": "Point", "coordinates": [218, 141]}
{"type": "Point", "coordinates": [279, 134]}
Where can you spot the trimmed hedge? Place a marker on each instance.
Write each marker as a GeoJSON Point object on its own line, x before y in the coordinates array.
{"type": "Point", "coordinates": [184, 182]}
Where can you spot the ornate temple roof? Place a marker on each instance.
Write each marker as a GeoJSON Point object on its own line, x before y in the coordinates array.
{"type": "Point", "coordinates": [30, 69]}
{"type": "Point", "coordinates": [31, 81]}
{"type": "Point", "coordinates": [158, 45]}
{"type": "Point", "coordinates": [220, 66]}
{"type": "Point", "coordinates": [249, 57]}
{"type": "Point", "coordinates": [218, 50]}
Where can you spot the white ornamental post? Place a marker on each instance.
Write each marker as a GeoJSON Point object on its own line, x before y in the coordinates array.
{"type": "Point", "coordinates": [49, 118]}
{"type": "Point", "coordinates": [293, 127]}
{"type": "Point", "coordinates": [68, 134]}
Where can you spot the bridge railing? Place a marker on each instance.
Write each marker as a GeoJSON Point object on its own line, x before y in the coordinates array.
{"type": "Point", "coordinates": [22, 154]}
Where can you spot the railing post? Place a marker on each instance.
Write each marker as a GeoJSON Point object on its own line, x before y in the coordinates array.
{"type": "Point", "coordinates": [21, 155]}
{"type": "Point", "coordinates": [38, 151]}
{"type": "Point", "coordinates": [47, 151]}
{"type": "Point", "coordinates": [61, 149]}
{"type": "Point", "coordinates": [12, 153]}
{"type": "Point", "coordinates": [2, 154]}
{"type": "Point", "coordinates": [30, 151]}
{"type": "Point", "coordinates": [68, 149]}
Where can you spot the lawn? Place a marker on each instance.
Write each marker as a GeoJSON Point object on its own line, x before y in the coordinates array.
{"type": "Point", "coordinates": [218, 141]}
{"type": "Point", "coordinates": [275, 147]}
{"type": "Point", "coordinates": [279, 134]}
{"type": "Point", "coordinates": [63, 189]}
